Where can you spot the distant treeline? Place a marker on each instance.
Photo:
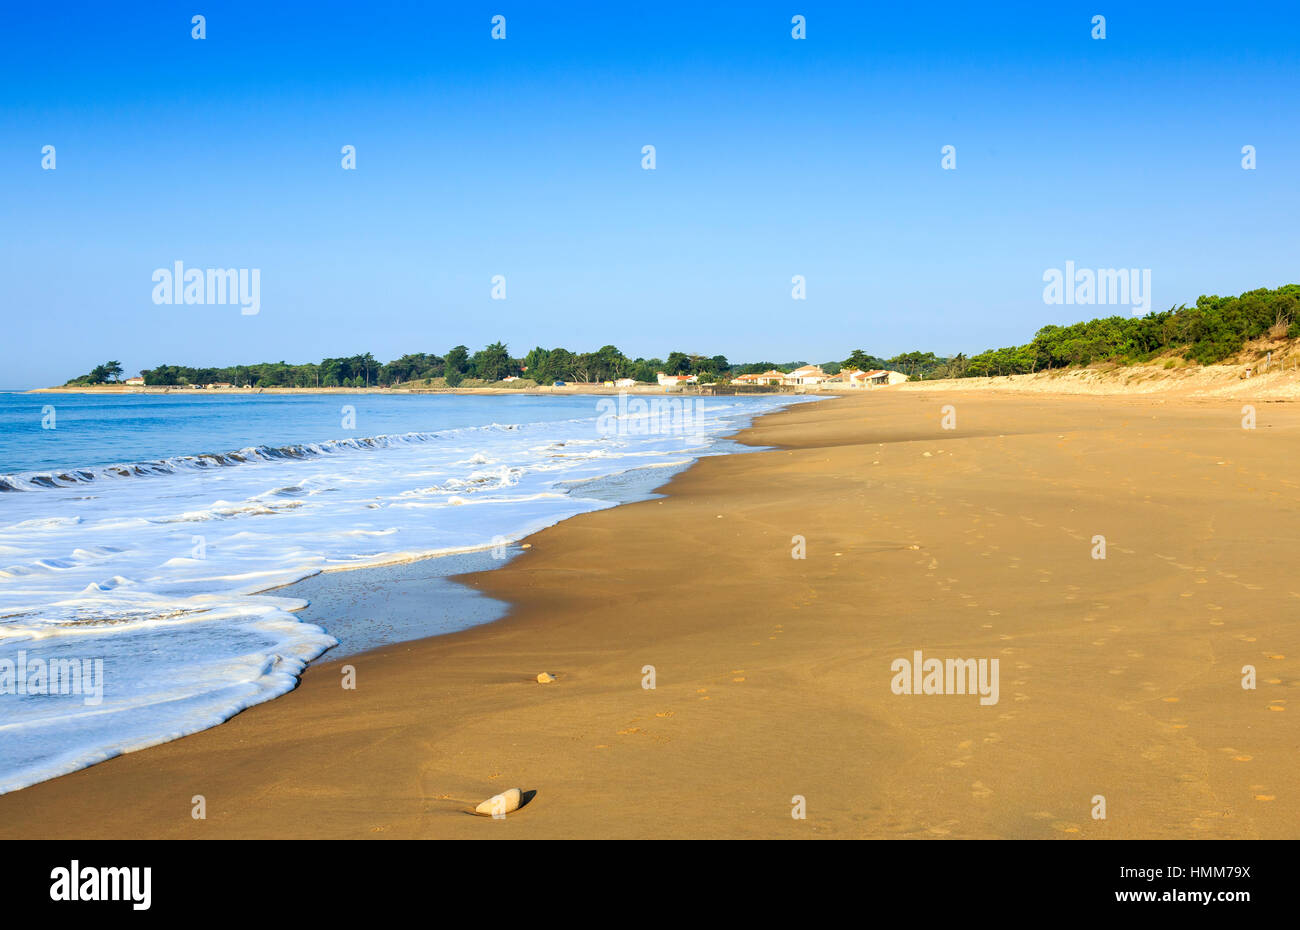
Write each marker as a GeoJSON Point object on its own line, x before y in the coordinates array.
{"type": "Point", "coordinates": [1214, 329]}
{"type": "Point", "coordinates": [492, 363]}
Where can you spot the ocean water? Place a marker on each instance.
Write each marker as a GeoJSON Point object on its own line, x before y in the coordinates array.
{"type": "Point", "coordinates": [140, 534]}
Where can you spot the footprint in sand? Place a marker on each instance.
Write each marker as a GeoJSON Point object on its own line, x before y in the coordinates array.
{"type": "Point", "coordinates": [979, 791]}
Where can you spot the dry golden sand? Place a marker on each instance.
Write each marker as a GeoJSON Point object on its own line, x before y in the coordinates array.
{"type": "Point", "coordinates": [1118, 677]}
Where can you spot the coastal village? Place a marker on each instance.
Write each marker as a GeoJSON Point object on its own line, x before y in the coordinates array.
{"type": "Point", "coordinates": [803, 378]}
{"type": "Point", "coordinates": [806, 376]}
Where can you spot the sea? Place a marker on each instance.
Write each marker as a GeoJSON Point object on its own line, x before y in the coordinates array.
{"type": "Point", "coordinates": [144, 538]}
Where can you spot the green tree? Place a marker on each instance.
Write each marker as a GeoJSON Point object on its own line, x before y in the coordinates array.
{"type": "Point", "coordinates": [862, 361]}
{"type": "Point", "coordinates": [679, 363]}
{"type": "Point", "coordinates": [492, 363]}
{"type": "Point", "coordinates": [457, 360]}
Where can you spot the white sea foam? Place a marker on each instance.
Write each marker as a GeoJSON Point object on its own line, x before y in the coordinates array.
{"type": "Point", "coordinates": [159, 571]}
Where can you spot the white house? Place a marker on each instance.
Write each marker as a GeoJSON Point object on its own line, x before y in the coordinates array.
{"type": "Point", "coordinates": [806, 375]}
{"type": "Point", "coordinates": [670, 381]}
{"type": "Point", "coordinates": [137, 381]}
{"type": "Point", "coordinates": [771, 376]}
{"type": "Point", "coordinates": [881, 377]}
{"type": "Point", "coordinates": [856, 378]}
{"type": "Point", "coordinates": [625, 382]}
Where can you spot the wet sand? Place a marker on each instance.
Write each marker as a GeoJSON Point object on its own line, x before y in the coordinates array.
{"type": "Point", "coordinates": [1119, 677]}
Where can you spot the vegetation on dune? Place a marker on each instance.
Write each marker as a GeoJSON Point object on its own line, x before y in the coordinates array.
{"type": "Point", "coordinates": [1214, 329]}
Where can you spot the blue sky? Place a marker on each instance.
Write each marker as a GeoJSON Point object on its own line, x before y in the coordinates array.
{"type": "Point", "coordinates": [522, 158]}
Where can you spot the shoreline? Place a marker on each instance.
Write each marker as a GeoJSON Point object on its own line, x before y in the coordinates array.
{"type": "Point", "coordinates": [596, 390]}
{"type": "Point", "coordinates": [772, 673]}
{"type": "Point", "coordinates": [412, 571]}
{"type": "Point", "coordinates": [359, 622]}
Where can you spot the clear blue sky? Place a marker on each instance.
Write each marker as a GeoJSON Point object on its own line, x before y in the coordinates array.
{"type": "Point", "coordinates": [522, 157]}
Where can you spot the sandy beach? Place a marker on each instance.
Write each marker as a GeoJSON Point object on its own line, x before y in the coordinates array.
{"type": "Point", "coordinates": [1119, 677]}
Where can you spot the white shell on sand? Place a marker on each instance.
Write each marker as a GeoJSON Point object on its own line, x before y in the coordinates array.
{"type": "Point", "coordinates": [502, 803]}
{"type": "Point", "coordinates": [545, 677]}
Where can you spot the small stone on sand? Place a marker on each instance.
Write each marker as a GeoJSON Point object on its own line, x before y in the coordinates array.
{"type": "Point", "coordinates": [502, 803]}
{"type": "Point", "coordinates": [545, 677]}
